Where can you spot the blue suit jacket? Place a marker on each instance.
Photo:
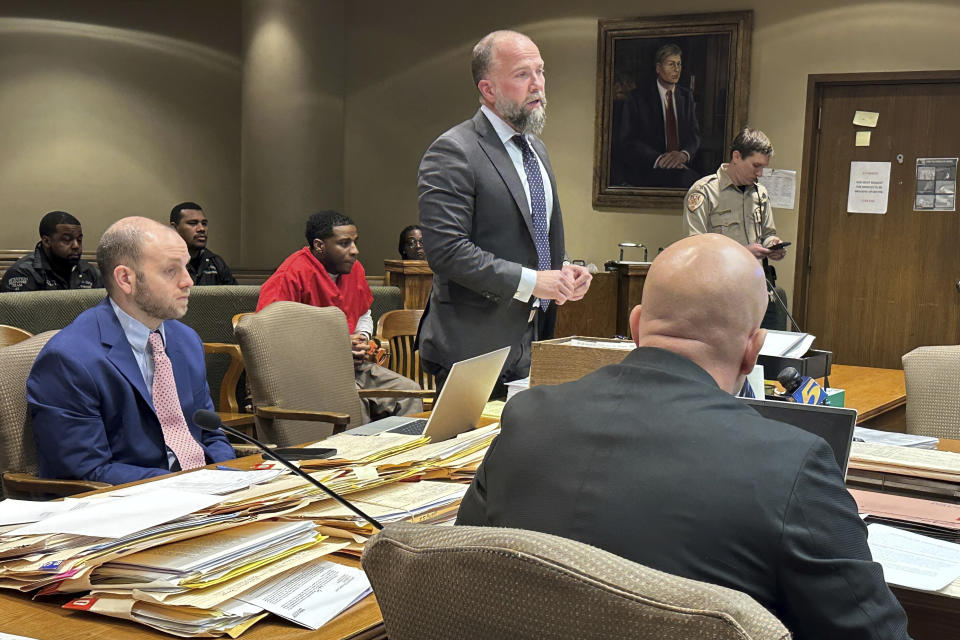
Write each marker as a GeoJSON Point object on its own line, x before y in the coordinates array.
{"type": "Point", "coordinates": [92, 417]}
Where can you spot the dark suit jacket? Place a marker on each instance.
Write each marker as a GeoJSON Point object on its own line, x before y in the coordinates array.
{"type": "Point", "coordinates": [477, 233]}
{"type": "Point", "coordinates": [642, 136]}
{"type": "Point", "coordinates": [650, 460]}
{"type": "Point", "coordinates": [88, 402]}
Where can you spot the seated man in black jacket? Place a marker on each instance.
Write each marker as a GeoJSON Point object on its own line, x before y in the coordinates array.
{"type": "Point", "coordinates": [55, 262]}
{"type": "Point", "coordinates": [655, 460]}
{"type": "Point", "coordinates": [205, 267]}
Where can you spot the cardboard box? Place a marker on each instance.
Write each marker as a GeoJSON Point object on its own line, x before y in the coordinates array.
{"type": "Point", "coordinates": [564, 359]}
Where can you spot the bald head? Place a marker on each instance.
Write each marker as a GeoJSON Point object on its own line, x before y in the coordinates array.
{"type": "Point", "coordinates": [123, 244]}
{"type": "Point", "coordinates": [485, 50]}
{"type": "Point", "coordinates": [704, 298]}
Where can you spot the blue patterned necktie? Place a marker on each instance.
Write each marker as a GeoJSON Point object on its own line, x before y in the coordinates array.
{"type": "Point", "coordinates": [538, 207]}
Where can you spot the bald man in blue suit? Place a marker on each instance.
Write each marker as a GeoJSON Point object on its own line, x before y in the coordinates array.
{"type": "Point", "coordinates": [90, 391]}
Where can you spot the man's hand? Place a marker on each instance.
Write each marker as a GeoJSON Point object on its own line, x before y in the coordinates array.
{"type": "Point", "coordinates": [556, 285]}
{"type": "Point", "coordinates": [672, 160]}
{"type": "Point", "coordinates": [359, 345]}
{"type": "Point", "coordinates": [581, 280]}
{"type": "Point", "coordinates": [758, 251]}
{"type": "Point", "coordinates": [777, 254]}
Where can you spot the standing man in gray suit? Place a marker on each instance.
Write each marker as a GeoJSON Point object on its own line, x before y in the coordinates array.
{"type": "Point", "coordinates": [491, 221]}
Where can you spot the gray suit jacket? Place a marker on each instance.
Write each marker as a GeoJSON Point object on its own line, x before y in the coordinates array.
{"type": "Point", "coordinates": [477, 233]}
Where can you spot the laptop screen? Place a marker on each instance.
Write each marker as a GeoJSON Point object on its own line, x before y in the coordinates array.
{"type": "Point", "coordinates": [833, 424]}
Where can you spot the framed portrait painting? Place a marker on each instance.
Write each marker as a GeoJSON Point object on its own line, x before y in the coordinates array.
{"type": "Point", "coordinates": [671, 95]}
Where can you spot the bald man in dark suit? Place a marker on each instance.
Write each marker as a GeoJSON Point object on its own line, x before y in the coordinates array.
{"type": "Point", "coordinates": [655, 460]}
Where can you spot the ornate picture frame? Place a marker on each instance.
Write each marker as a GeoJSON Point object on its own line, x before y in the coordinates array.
{"type": "Point", "coordinates": [641, 161]}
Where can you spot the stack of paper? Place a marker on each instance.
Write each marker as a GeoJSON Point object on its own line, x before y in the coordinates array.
{"type": "Point", "coordinates": [311, 595]}
{"type": "Point", "coordinates": [232, 617]}
{"type": "Point", "coordinates": [786, 344]}
{"type": "Point", "coordinates": [353, 449]}
{"type": "Point", "coordinates": [617, 345]}
{"type": "Point", "coordinates": [516, 386]}
{"type": "Point", "coordinates": [208, 559]}
{"type": "Point", "coordinates": [862, 434]}
{"type": "Point", "coordinates": [208, 481]}
{"type": "Point", "coordinates": [446, 454]}
{"type": "Point", "coordinates": [937, 465]}
{"type": "Point", "coordinates": [426, 501]}
{"type": "Point", "coordinates": [207, 605]}
{"type": "Point", "coordinates": [914, 561]}
{"type": "Point", "coordinates": [493, 409]}
{"type": "Point", "coordinates": [211, 552]}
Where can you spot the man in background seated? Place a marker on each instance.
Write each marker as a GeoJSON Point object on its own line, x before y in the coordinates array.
{"type": "Point", "coordinates": [112, 395]}
{"type": "Point", "coordinates": [205, 266]}
{"type": "Point", "coordinates": [326, 273]}
{"type": "Point", "coordinates": [411, 243]}
{"type": "Point", "coordinates": [655, 460]}
{"type": "Point", "coordinates": [55, 262]}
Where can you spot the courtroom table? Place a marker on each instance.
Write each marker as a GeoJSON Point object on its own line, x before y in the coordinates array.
{"type": "Point", "coordinates": [44, 619]}
{"type": "Point", "coordinates": [878, 395]}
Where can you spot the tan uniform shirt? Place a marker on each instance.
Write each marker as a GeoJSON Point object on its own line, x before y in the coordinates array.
{"type": "Point", "coordinates": [715, 205]}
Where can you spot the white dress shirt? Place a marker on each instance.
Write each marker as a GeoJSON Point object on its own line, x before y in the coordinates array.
{"type": "Point", "coordinates": [528, 277]}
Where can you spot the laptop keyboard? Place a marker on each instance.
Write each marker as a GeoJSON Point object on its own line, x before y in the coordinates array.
{"type": "Point", "coordinates": [413, 428]}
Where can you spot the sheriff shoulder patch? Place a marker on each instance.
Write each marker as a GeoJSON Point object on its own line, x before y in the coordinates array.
{"type": "Point", "coordinates": [694, 200]}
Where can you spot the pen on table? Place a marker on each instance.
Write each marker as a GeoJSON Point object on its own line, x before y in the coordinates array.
{"type": "Point", "coordinates": [226, 468]}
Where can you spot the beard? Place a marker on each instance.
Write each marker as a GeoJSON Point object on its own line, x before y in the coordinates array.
{"type": "Point", "coordinates": [151, 304]}
{"type": "Point", "coordinates": [63, 264]}
{"type": "Point", "coordinates": [523, 120]}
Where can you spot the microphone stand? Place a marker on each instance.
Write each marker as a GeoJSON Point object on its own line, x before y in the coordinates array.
{"type": "Point", "coordinates": [292, 467]}
{"type": "Point", "coordinates": [783, 305]}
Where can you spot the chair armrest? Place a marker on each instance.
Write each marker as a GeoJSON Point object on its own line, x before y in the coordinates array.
{"type": "Point", "coordinates": [243, 450]}
{"type": "Point", "coordinates": [25, 484]}
{"type": "Point", "coordinates": [228, 387]}
{"type": "Point", "coordinates": [397, 393]}
{"type": "Point", "coordinates": [332, 417]}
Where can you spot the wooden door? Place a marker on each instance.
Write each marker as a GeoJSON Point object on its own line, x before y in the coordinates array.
{"type": "Point", "coordinates": [873, 287]}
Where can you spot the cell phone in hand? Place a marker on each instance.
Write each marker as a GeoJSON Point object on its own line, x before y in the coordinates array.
{"type": "Point", "coordinates": [779, 245]}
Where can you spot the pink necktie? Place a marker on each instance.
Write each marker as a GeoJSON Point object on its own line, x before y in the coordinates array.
{"type": "Point", "coordinates": [166, 403]}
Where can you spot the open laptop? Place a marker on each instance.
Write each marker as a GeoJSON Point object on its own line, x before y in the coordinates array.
{"type": "Point", "coordinates": [459, 406]}
{"type": "Point", "coordinates": [833, 424]}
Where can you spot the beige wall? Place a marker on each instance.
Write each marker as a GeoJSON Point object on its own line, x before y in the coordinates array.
{"type": "Point", "coordinates": [408, 80]}
{"type": "Point", "coordinates": [292, 123]}
{"type": "Point", "coordinates": [114, 108]}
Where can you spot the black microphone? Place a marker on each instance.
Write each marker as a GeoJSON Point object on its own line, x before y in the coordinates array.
{"type": "Point", "coordinates": [802, 389]}
{"type": "Point", "coordinates": [210, 421]}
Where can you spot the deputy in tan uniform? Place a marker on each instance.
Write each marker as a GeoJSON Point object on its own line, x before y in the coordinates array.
{"type": "Point", "coordinates": [731, 202]}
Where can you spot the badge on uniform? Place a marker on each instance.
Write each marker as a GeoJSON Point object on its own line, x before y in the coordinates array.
{"type": "Point", "coordinates": [694, 200]}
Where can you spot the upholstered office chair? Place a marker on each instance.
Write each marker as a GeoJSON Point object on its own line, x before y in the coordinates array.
{"type": "Point", "coordinates": [12, 335]}
{"type": "Point", "coordinates": [476, 583]}
{"type": "Point", "coordinates": [933, 376]}
{"type": "Point", "coordinates": [300, 372]}
{"type": "Point", "coordinates": [18, 456]}
{"type": "Point", "coordinates": [399, 329]}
